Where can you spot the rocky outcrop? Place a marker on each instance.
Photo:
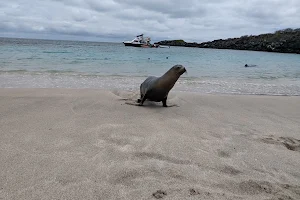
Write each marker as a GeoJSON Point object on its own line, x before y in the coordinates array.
{"type": "Point", "coordinates": [172, 42]}
{"type": "Point", "coordinates": [284, 41]}
{"type": "Point", "coordinates": [181, 43]}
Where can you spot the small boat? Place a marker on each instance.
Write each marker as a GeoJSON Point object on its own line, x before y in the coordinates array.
{"type": "Point", "coordinates": [157, 45]}
{"type": "Point", "coordinates": [162, 46]}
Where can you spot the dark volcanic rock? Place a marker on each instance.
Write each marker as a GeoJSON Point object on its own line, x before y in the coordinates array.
{"type": "Point", "coordinates": [284, 41]}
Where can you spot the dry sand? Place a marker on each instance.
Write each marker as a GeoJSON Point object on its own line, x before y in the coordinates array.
{"type": "Point", "coordinates": [89, 144]}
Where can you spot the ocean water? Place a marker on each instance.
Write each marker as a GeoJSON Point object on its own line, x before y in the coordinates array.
{"type": "Point", "coordinates": [27, 63]}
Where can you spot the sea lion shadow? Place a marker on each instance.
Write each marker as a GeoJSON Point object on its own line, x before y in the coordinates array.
{"type": "Point", "coordinates": [131, 97]}
{"type": "Point", "coordinates": [149, 104]}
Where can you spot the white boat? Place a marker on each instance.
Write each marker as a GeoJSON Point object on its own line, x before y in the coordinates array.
{"type": "Point", "coordinates": [138, 41]}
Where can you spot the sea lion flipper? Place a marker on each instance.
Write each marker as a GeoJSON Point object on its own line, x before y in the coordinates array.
{"type": "Point", "coordinates": [164, 101]}
{"type": "Point", "coordinates": [143, 99]}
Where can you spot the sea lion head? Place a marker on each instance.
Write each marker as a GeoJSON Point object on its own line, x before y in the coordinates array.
{"type": "Point", "coordinates": [177, 70]}
{"type": "Point", "coordinates": [168, 80]}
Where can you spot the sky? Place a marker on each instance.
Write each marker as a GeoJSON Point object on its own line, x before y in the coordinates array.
{"type": "Point", "coordinates": [121, 20]}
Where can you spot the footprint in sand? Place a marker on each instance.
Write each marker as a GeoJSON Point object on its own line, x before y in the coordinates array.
{"type": "Point", "coordinates": [229, 170]}
{"type": "Point", "coordinates": [159, 194]}
{"type": "Point", "coordinates": [289, 142]}
{"type": "Point", "coordinates": [262, 188]}
{"type": "Point", "coordinates": [223, 154]}
{"type": "Point", "coordinates": [193, 192]}
{"type": "Point", "coordinates": [160, 157]}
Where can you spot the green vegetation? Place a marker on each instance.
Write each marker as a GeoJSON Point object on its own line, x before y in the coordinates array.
{"type": "Point", "coordinates": [284, 41]}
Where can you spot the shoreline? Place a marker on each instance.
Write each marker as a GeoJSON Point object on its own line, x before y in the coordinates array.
{"type": "Point", "coordinates": [184, 84]}
{"type": "Point", "coordinates": [118, 90]}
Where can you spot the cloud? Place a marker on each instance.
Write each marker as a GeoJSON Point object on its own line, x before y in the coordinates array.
{"type": "Point", "coordinates": [119, 20]}
{"type": "Point", "coordinates": [173, 9]}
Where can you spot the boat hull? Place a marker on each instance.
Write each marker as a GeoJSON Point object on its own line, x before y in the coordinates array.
{"type": "Point", "coordinates": [132, 44]}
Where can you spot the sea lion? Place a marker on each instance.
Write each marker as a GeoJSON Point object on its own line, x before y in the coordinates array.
{"type": "Point", "coordinates": [157, 88]}
{"type": "Point", "coordinates": [250, 65]}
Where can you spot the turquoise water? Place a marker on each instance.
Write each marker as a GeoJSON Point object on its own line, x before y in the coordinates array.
{"type": "Point", "coordinates": [75, 64]}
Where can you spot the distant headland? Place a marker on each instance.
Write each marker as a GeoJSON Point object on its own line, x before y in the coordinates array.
{"type": "Point", "coordinates": [282, 41]}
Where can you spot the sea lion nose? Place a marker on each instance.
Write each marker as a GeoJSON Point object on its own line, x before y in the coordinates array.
{"type": "Point", "coordinates": [184, 70]}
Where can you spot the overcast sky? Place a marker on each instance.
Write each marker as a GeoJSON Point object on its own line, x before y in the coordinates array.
{"type": "Point", "coordinates": [119, 20]}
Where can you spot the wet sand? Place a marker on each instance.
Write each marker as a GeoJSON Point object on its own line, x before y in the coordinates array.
{"type": "Point", "coordinates": [90, 144]}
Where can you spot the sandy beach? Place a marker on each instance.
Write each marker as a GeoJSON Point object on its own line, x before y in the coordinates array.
{"type": "Point", "coordinates": [89, 144]}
